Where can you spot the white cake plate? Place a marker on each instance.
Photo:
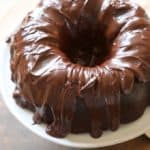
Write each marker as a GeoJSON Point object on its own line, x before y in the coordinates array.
{"type": "Point", "coordinates": [125, 132]}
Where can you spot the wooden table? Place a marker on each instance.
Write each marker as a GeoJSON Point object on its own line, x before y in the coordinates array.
{"type": "Point", "coordinates": [14, 136]}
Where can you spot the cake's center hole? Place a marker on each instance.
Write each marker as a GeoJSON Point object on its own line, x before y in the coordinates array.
{"type": "Point", "coordinates": [84, 45]}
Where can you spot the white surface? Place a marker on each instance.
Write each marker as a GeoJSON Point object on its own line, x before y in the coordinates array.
{"type": "Point", "coordinates": [125, 133]}
{"type": "Point", "coordinates": [13, 14]}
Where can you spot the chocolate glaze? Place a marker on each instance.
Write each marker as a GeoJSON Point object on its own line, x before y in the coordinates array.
{"type": "Point", "coordinates": [83, 65]}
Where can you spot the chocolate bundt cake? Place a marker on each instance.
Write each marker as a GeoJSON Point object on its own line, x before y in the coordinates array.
{"type": "Point", "coordinates": [82, 65]}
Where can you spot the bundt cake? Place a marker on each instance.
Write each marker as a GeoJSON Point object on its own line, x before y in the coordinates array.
{"type": "Point", "coordinates": [82, 66]}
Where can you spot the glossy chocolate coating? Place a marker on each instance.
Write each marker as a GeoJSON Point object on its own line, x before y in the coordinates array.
{"type": "Point", "coordinates": [83, 65]}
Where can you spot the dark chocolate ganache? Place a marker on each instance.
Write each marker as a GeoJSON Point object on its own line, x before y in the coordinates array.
{"type": "Point", "coordinates": [82, 65]}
